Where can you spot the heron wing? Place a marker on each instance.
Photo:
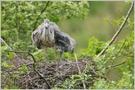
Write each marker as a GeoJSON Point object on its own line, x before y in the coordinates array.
{"type": "Point", "coordinates": [36, 36]}
{"type": "Point", "coordinates": [55, 26]}
{"type": "Point", "coordinates": [64, 42]}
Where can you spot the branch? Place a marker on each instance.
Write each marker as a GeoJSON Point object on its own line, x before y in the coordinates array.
{"type": "Point", "coordinates": [18, 21]}
{"type": "Point", "coordinates": [23, 52]}
{"type": "Point", "coordinates": [118, 51]}
{"type": "Point", "coordinates": [118, 31]}
{"type": "Point", "coordinates": [77, 64]}
{"type": "Point", "coordinates": [2, 41]}
{"type": "Point", "coordinates": [84, 86]}
{"type": "Point", "coordinates": [41, 14]}
{"type": "Point", "coordinates": [121, 47]}
{"type": "Point", "coordinates": [116, 65]}
{"type": "Point", "coordinates": [15, 55]}
{"type": "Point", "coordinates": [34, 66]}
{"type": "Point", "coordinates": [20, 66]}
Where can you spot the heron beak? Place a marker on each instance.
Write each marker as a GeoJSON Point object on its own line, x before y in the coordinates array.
{"type": "Point", "coordinates": [46, 25]}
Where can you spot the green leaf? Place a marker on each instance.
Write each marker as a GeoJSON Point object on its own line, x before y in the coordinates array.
{"type": "Point", "coordinates": [5, 64]}
{"type": "Point", "coordinates": [15, 75]}
{"type": "Point", "coordinates": [4, 48]}
{"type": "Point", "coordinates": [11, 55]}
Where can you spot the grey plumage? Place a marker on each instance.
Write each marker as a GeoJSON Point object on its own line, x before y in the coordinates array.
{"type": "Point", "coordinates": [64, 42]}
{"type": "Point", "coordinates": [43, 36]}
{"type": "Point", "coordinates": [48, 34]}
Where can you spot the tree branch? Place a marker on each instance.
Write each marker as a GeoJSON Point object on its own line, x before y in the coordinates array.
{"type": "Point", "coordinates": [118, 31]}
{"type": "Point", "coordinates": [15, 55]}
{"type": "Point", "coordinates": [118, 51]}
{"type": "Point", "coordinates": [41, 14]}
{"type": "Point", "coordinates": [84, 86]}
{"type": "Point", "coordinates": [18, 21]}
{"type": "Point", "coordinates": [115, 65]}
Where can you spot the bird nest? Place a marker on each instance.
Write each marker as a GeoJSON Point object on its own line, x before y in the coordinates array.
{"type": "Point", "coordinates": [45, 75]}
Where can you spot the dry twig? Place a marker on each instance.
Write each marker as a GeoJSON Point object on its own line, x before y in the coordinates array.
{"type": "Point", "coordinates": [84, 86]}
{"type": "Point", "coordinates": [47, 3]}
{"type": "Point", "coordinates": [34, 66]}
{"type": "Point", "coordinates": [116, 65]}
{"type": "Point", "coordinates": [15, 55]}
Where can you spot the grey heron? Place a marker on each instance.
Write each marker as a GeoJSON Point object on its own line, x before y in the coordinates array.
{"type": "Point", "coordinates": [48, 34]}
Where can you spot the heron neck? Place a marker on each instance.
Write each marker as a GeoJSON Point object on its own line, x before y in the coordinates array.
{"type": "Point", "coordinates": [46, 32]}
{"type": "Point", "coordinates": [43, 33]}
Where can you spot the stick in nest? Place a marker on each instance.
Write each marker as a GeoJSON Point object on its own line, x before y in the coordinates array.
{"type": "Point", "coordinates": [84, 86]}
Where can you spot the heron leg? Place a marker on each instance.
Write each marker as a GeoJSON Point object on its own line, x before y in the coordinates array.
{"type": "Point", "coordinates": [54, 48]}
{"type": "Point", "coordinates": [61, 55]}
{"type": "Point", "coordinates": [46, 51]}
{"type": "Point", "coordinates": [62, 59]}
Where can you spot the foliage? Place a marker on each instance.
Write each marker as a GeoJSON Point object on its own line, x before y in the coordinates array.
{"type": "Point", "coordinates": [126, 82]}
{"type": "Point", "coordinates": [19, 19]}
{"type": "Point", "coordinates": [113, 53]}
{"type": "Point", "coordinates": [94, 47]}
{"type": "Point", "coordinates": [74, 81]}
{"type": "Point", "coordinates": [24, 17]}
{"type": "Point", "coordinates": [117, 22]}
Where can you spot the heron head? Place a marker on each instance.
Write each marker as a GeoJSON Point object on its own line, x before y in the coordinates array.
{"type": "Point", "coordinates": [46, 23]}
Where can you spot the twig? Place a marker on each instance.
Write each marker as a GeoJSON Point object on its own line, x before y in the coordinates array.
{"type": "Point", "coordinates": [115, 65]}
{"type": "Point", "coordinates": [15, 55]}
{"type": "Point", "coordinates": [77, 64]}
{"type": "Point", "coordinates": [116, 54]}
{"type": "Point", "coordinates": [119, 50]}
{"type": "Point", "coordinates": [23, 52]}
{"type": "Point", "coordinates": [2, 41]}
{"type": "Point", "coordinates": [20, 66]}
{"type": "Point", "coordinates": [84, 86]}
{"type": "Point", "coordinates": [34, 66]}
{"type": "Point", "coordinates": [41, 14]}
{"type": "Point", "coordinates": [117, 33]}
{"type": "Point", "coordinates": [85, 66]}
{"type": "Point", "coordinates": [17, 51]}
{"type": "Point", "coordinates": [49, 87]}
{"type": "Point", "coordinates": [121, 47]}
{"type": "Point", "coordinates": [18, 20]}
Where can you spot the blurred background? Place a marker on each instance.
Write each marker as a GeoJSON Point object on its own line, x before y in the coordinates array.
{"type": "Point", "coordinates": [95, 24]}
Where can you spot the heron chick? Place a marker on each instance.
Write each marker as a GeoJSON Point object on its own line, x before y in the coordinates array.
{"type": "Point", "coordinates": [48, 35]}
